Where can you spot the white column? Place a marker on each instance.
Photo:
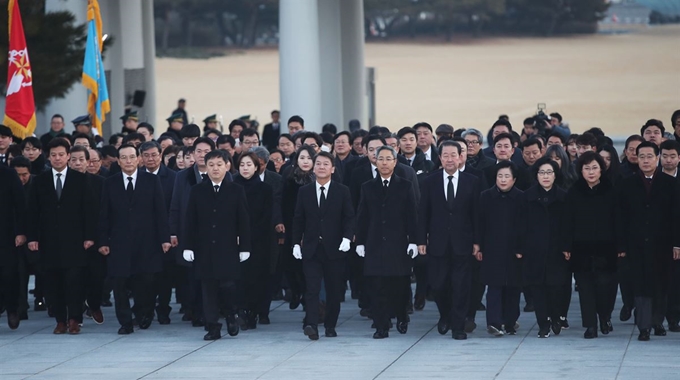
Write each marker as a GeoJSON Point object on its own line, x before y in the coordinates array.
{"type": "Point", "coordinates": [113, 62]}
{"type": "Point", "coordinates": [74, 104]}
{"type": "Point", "coordinates": [330, 53]}
{"type": "Point", "coordinates": [148, 35]}
{"type": "Point", "coordinates": [353, 71]}
{"type": "Point", "coordinates": [300, 78]}
{"type": "Point", "coordinates": [131, 23]}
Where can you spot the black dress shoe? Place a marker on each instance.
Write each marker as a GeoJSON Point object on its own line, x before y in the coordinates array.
{"type": "Point", "coordinates": [13, 321]}
{"type": "Point", "coordinates": [312, 332]}
{"type": "Point", "coordinates": [232, 325]}
{"type": "Point", "coordinates": [470, 326]}
{"type": "Point", "coordinates": [443, 326]}
{"type": "Point", "coordinates": [197, 322]}
{"type": "Point", "coordinates": [625, 314]}
{"type": "Point", "coordinates": [419, 302]}
{"type": "Point", "coordinates": [188, 316]}
{"type": "Point", "coordinates": [556, 327]}
{"type": "Point", "coordinates": [163, 320]}
{"type": "Point", "coordinates": [673, 326]}
{"type": "Point", "coordinates": [381, 334]}
{"type": "Point", "coordinates": [213, 332]}
{"type": "Point", "coordinates": [264, 320]}
{"type": "Point", "coordinates": [402, 327]}
{"type": "Point", "coordinates": [591, 333]}
{"type": "Point", "coordinates": [144, 323]}
{"type": "Point", "coordinates": [459, 335]}
{"type": "Point", "coordinates": [644, 335]}
{"type": "Point", "coordinates": [606, 327]}
{"type": "Point", "coordinates": [544, 332]}
{"type": "Point", "coordinates": [125, 330]}
{"type": "Point", "coordinates": [659, 330]}
{"type": "Point", "coordinates": [364, 312]}
{"type": "Point", "coordinates": [294, 301]}
{"type": "Point", "coordinates": [330, 332]}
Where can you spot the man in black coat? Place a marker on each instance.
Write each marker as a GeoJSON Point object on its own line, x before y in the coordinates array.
{"type": "Point", "coordinates": [670, 158]}
{"type": "Point", "coordinates": [62, 228]}
{"type": "Point", "coordinates": [272, 131]}
{"type": "Point", "coordinates": [475, 156]}
{"type": "Point", "coordinates": [216, 240]}
{"type": "Point", "coordinates": [324, 225]}
{"type": "Point", "coordinates": [12, 236]}
{"type": "Point", "coordinates": [649, 236]}
{"type": "Point", "coordinates": [386, 237]}
{"type": "Point", "coordinates": [448, 234]}
{"type": "Point", "coordinates": [134, 235]}
{"type": "Point", "coordinates": [503, 150]}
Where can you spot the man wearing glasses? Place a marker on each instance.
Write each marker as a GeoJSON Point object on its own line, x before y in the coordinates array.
{"type": "Point", "coordinates": [475, 157]}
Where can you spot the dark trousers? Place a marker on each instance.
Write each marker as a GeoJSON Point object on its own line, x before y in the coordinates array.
{"type": "Point", "coordinates": [597, 296]}
{"type": "Point", "coordinates": [194, 294]}
{"type": "Point", "coordinates": [317, 268]}
{"type": "Point", "coordinates": [420, 271]}
{"type": "Point", "coordinates": [9, 287]}
{"type": "Point", "coordinates": [218, 294]}
{"type": "Point", "coordinates": [649, 311]}
{"type": "Point", "coordinates": [94, 279]}
{"type": "Point", "coordinates": [65, 293]}
{"type": "Point", "coordinates": [358, 280]}
{"type": "Point", "coordinates": [388, 296]}
{"type": "Point", "coordinates": [502, 305]}
{"type": "Point", "coordinates": [165, 280]}
{"type": "Point", "coordinates": [476, 290]}
{"type": "Point", "coordinates": [294, 274]}
{"type": "Point", "coordinates": [625, 277]}
{"type": "Point", "coordinates": [547, 303]}
{"type": "Point", "coordinates": [453, 297]}
{"type": "Point", "coordinates": [143, 292]}
{"type": "Point", "coordinates": [23, 274]}
{"type": "Point", "coordinates": [565, 300]}
{"type": "Point", "coordinates": [273, 286]}
{"type": "Point", "coordinates": [253, 284]}
{"type": "Point", "coordinates": [673, 308]}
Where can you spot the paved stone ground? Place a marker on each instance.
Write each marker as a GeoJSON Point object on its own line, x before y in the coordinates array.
{"type": "Point", "coordinates": [281, 351]}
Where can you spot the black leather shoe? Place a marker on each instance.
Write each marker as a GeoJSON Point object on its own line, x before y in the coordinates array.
{"type": "Point", "coordinates": [470, 326]}
{"type": "Point", "coordinates": [381, 334]}
{"type": "Point", "coordinates": [419, 302]}
{"type": "Point", "coordinates": [443, 326]}
{"type": "Point", "coordinates": [402, 327]}
{"type": "Point", "coordinates": [312, 332]}
{"type": "Point", "coordinates": [556, 327]}
{"type": "Point", "coordinates": [232, 325]}
{"type": "Point", "coordinates": [125, 330]}
{"type": "Point", "coordinates": [188, 316]}
{"type": "Point", "coordinates": [163, 320]}
{"type": "Point", "coordinates": [644, 335]}
{"type": "Point", "coordinates": [213, 332]}
{"type": "Point", "coordinates": [364, 312]}
{"type": "Point", "coordinates": [459, 335]}
{"type": "Point", "coordinates": [13, 321]}
{"type": "Point", "coordinates": [625, 314]}
{"type": "Point", "coordinates": [144, 323]}
{"type": "Point", "coordinates": [659, 330]}
{"type": "Point", "coordinates": [673, 326]}
{"type": "Point", "coordinates": [544, 332]}
{"type": "Point", "coordinates": [264, 320]}
{"type": "Point", "coordinates": [330, 333]}
{"type": "Point", "coordinates": [590, 333]}
{"type": "Point", "coordinates": [294, 301]}
{"type": "Point", "coordinates": [606, 327]}
{"type": "Point", "coordinates": [197, 322]}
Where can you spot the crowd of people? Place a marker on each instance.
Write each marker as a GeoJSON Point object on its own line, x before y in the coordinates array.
{"type": "Point", "coordinates": [232, 220]}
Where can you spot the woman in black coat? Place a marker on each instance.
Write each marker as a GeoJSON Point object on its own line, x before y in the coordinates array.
{"type": "Point", "coordinates": [255, 270]}
{"type": "Point", "coordinates": [501, 270]}
{"type": "Point", "coordinates": [590, 242]}
{"type": "Point", "coordinates": [300, 175]}
{"type": "Point", "coordinates": [545, 269]}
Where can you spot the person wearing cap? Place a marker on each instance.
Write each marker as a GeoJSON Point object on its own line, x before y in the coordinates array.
{"type": "Point", "coordinates": [426, 142]}
{"type": "Point", "coordinates": [181, 109]}
{"type": "Point", "coordinates": [189, 134]}
{"type": "Point", "coordinates": [653, 131]}
{"type": "Point", "coordinates": [210, 122]}
{"type": "Point", "coordinates": [443, 131]}
{"type": "Point", "coordinates": [130, 122]}
{"type": "Point", "coordinates": [83, 125]}
{"type": "Point", "coordinates": [272, 131]}
{"type": "Point", "coordinates": [175, 124]}
{"type": "Point", "coordinates": [5, 141]}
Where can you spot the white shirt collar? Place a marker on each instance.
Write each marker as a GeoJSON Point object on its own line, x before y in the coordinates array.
{"type": "Point", "coordinates": [383, 179]}
{"type": "Point", "coordinates": [134, 179]}
{"type": "Point", "coordinates": [216, 184]}
{"type": "Point", "coordinates": [462, 169]}
{"type": "Point", "coordinates": [428, 153]}
{"type": "Point", "coordinates": [63, 173]}
{"type": "Point", "coordinates": [154, 172]}
{"type": "Point", "coordinates": [262, 177]}
{"type": "Point", "coordinates": [446, 176]}
{"type": "Point", "coordinates": [373, 170]}
{"type": "Point", "coordinates": [326, 186]}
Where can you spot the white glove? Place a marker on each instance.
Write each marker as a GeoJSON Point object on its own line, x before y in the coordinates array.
{"type": "Point", "coordinates": [361, 250]}
{"type": "Point", "coordinates": [344, 246]}
{"type": "Point", "coordinates": [297, 253]}
{"type": "Point", "coordinates": [188, 255]}
{"type": "Point", "coordinates": [412, 250]}
{"type": "Point", "coordinates": [243, 256]}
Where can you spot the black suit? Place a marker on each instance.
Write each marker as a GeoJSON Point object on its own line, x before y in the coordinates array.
{"type": "Point", "coordinates": [61, 226]}
{"type": "Point", "coordinates": [218, 228]}
{"type": "Point", "coordinates": [134, 229]}
{"type": "Point", "coordinates": [386, 225]}
{"type": "Point", "coordinates": [270, 135]}
{"type": "Point", "coordinates": [320, 231]}
{"type": "Point", "coordinates": [12, 223]}
{"type": "Point", "coordinates": [451, 232]}
{"type": "Point", "coordinates": [96, 263]}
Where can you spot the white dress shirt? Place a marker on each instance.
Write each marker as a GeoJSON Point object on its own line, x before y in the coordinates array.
{"type": "Point", "coordinates": [383, 179]}
{"type": "Point", "coordinates": [155, 172]}
{"type": "Point", "coordinates": [63, 177]}
{"type": "Point", "coordinates": [262, 177]}
{"type": "Point", "coordinates": [428, 153]}
{"type": "Point", "coordinates": [216, 184]}
{"type": "Point", "coordinates": [318, 191]}
{"type": "Point", "coordinates": [134, 180]}
{"type": "Point", "coordinates": [373, 170]}
{"type": "Point", "coordinates": [446, 183]}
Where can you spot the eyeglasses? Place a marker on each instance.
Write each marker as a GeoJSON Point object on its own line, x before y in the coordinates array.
{"type": "Point", "coordinates": [152, 155]}
{"type": "Point", "coordinates": [385, 159]}
{"type": "Point", "coordinates": [473, 142]}
{"type": "Point", "coordinates": [546, 172]}
{"type": "Point", "coordinates": [95, 161]}
{"type": "Point", "coordinates": [277, 160]}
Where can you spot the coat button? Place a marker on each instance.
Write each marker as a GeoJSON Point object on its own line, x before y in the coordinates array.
{"type": "Point", "coordinates": [384, 238]}
{"type": "Point", "coordinates": [213, 241]}
{"type": "Point", "coordinates": [646, 239]}
{"type": "Point", "coordinates": [214, 226]}
{"type": "Point", "coordinates": [215, 210]}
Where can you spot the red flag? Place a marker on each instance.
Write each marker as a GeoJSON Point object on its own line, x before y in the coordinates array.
{"type": "Point", "coordinates": [19, 104]}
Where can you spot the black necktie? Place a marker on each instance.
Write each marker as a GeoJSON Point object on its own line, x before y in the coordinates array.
{"type": "Point", "coordinates": [204, 176]}
{"type": "Point", "coordinates": [217, 188]}
{"type": "Point", "coordinates": [322, 198]}
{"type": "Point", "coordinates": [129, 189]}
{"type": "Point", "coordinates": [60, 186]}
{"type": "Point", "coordinates": [376, 173]}
{"type": "Point", "coordinates": [450, 192]}
{"type": "Point", "coordinates": [385, 185]}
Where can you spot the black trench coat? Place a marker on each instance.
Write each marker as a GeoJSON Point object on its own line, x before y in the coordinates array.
{"type": "Point", "coordinates": [499, 225]}
{"type": "Point", "coordinates": [542, 258]}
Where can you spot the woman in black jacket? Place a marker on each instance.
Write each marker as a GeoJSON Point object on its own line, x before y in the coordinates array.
{"type": "Point", "coordinates": [300, 175]}
{"type": "Point", "coordinates": [255, 270]}
{"type": "Point", "coordinates": [545, 270]}
{"type": "Point", "coordinates": [590, 242]}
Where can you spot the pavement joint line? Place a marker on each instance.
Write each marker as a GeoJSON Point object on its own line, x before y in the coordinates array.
{"type": "Point", "coordinates": [404, 353]}
{"type": "Point", "coordinates": [177, 359]}
{"type": "Point", "coordinates": [625, 352]}
{"type": "Point", "coordinates": [24, 336]}
{"type": "Point", "coordinates": [515, 350]}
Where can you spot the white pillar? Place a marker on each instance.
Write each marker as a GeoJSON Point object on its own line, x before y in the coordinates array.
{"type": "Point", "coordinates": [353, 71]}
{"type": "Point", "coordinates": [300, 78]}
{"type": "Point", "coordinates": [148, 35]}
{"type": "Point", "coordinates": [113, 63]}
{"type": "Point", "coordinates": [131, 22]}
{"type": "Point", "coordinates": [330, 53]}
{"type": "Point", "coordinates": [74, 104]}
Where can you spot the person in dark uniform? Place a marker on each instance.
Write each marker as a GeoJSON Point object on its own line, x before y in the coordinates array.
{"type": "Point", "coordinates": [210, 123]}
{"type": "Point", "coordinates": [134, 235]}
{"type": "Point", "coordinates": [56, 130]}
{"type": "Point", "coordinates": [324, 226]}
{"type": "Point", "coordinates": [175, 123]}
{"type": "Point", "coordinates": [181, 111]}
{"type": "Point", "coordinates": [130, 121]}
{"type": "Point", "coordinates": [448, 235]}
{"type": "Point", "coordinates": [272, 131]}
{"type": "Point", "coordinates": [83, 124]}
{"type": "Point", "coordinates": [386, 237]}
{"type": "Point", "coordinates": [217, 239]}
{"type": "Point", "coordinates": [670, 158]}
